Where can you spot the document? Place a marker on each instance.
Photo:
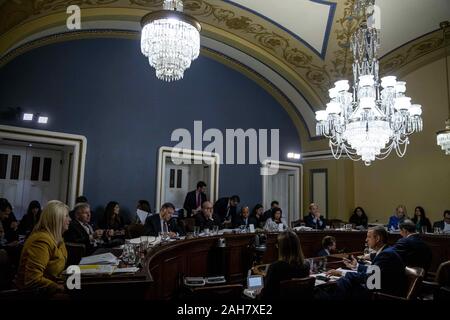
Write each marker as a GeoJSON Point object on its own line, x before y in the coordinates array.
{"type": "Point", "coordinates": [105, 258]}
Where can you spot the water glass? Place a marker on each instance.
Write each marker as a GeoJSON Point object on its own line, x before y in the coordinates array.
{"type": "Point", "coordinates": [437, 230]}
{"type": "Point", "coordinates": [348, 227]}
{"type": "Point", "coordinates": [215, 230]}
{"type": "Point", "coordinates": [196, 231]}
{"type": "Point", "coordinates": [206, 230]}
{"type": "Point", "coordinates": [424, 229]}
{"type": "Point", "coordinates": [164, 236]}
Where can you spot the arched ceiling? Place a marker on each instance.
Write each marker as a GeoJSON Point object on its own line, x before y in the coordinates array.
{"type": "Point", "coordinates": [295, 48]}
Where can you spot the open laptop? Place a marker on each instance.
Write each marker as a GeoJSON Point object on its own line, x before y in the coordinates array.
{"type": "Point", "coordinates": [254, 286]}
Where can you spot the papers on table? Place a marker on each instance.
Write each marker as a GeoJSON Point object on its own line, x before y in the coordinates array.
{"type": "Point", "coordinates": [97, 269]}
{"type": "Point", "coordinates": [142, 215]}
{"type": "Point", "coordinates": [345, 271]}
{"type": "Point", "coordinates": [103, 259]}
{"type": "Point", "coordinates": [302, 228]}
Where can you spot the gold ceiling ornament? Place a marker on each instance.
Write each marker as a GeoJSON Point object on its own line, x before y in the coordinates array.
{"type": "Point", "coordinates": [443, 136]}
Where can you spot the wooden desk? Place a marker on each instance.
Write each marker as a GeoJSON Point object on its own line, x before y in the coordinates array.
{"type": "Point", "coordinates": [167, 264]}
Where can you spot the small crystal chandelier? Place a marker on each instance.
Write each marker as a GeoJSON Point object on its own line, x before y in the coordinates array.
{"type": "Point", "coordinates": [376, 116]}
{"type": "Point", "coordinates": [171, 40]}
{"type": "Point", "coordinates": [443, 136]}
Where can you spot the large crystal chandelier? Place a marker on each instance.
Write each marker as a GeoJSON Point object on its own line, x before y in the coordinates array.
{"type": "Point", "coordinates": [375, 117]}
{"type": "Point", "coordinates": [171, 40]}
{"type": "Point", "coordinates": [443, 136]}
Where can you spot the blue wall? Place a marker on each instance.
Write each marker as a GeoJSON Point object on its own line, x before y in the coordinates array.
{"type": "Point", "coordinates": [105, 90]}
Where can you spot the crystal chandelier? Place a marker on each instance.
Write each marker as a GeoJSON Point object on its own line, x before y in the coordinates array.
{"type": "Point", "coordinates": [171, 40]}
{"type": "Point", "coordinates": [443, 136]}
{"type": "Point", "coordinates": [375, 117]}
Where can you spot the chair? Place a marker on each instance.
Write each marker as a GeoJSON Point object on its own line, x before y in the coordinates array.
{"type": "Point", "coordinates": [297, 289]}
{"type": "Point", "coordinates": [75, 251]}
{"type": "Point", "coordinates": [135, 230]}
{"type": "Point", "coordinates": [218, 293]}
{"type": "Point", "coordinates": [414, 278]}
{"type": "Point", "coordinates": [441, 284]}
{"type": "Point", "coordinates": [187, 224]}
{"type": "Point", "coordinates": [296, 223]}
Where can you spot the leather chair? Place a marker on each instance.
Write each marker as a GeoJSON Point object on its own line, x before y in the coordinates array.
{"type": "Point", "coordinates": [75, 251]}
{"type": "Point", "coordinates": [297, 289]}
{"type": "Point", "coordinates": [414, 278]}
{"type": "Point", "coordinates": [187, 224]}
{"type": "Point", "coordinates": [135, 230]}
{"type": "Point", "coordinates": [218, 293]}
{"type": "Point", "coordinates": [440, 286]}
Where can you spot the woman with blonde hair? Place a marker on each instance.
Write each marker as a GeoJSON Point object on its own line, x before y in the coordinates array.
{"type": "Point", "coordinates": [44, 253]}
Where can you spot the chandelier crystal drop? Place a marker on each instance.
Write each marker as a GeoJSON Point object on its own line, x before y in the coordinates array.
{"type": "Point", "coordinates": [443, 136]}
{"type": "Point", "coordinates": [171, 40]}
{"type": "Point", "coordinates": [374, 117]}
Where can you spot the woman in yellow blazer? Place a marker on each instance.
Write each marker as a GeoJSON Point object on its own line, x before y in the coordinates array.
{"type": "Point", "coordinates": [44, 254]}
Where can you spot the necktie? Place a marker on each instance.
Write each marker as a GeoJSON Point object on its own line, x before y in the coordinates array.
{"type": "Point", "coordinates": [165, 227]}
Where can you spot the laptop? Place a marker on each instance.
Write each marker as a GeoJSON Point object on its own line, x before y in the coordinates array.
{"type": "Point", "coordinates": [255, 282]}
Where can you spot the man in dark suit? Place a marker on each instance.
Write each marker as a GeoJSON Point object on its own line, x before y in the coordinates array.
{"type": "Point", "coordinates": [243, 219]}
{"type": "Point", "coordinates": [80, 230]}
{"type": "Point", "coordinates": [226, 208]}
{"type": "Point", "coordinates": [314, 219]}
{"type": "Point", "coordinates": [413, 250]}
{"type": "Point", "coordinates": [194, 200]}
{"type": "Point", "coordinates": [163, 222]}
{"type": "Point", "coordinates": [207, 219]}
{"type": "Point", "coordinates": [444, 225]}
{"type": "Point", "coordinates": [392, 270]}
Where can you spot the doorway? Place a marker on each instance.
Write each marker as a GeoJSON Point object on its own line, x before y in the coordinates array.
{"type": "Point", "coordinates": [285, 186]}
{"type": "Point", "coordinates": [176, 176]}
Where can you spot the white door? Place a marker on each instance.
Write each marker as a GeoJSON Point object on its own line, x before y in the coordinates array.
{"type": "Point", "coordinates": [282, 188]}
{"type": "Point", "coordinates": [42, 175]}
{"type": "Point", "coordinates": [12, 172]}
{"type": "Point", "coordinates": [28, 174]}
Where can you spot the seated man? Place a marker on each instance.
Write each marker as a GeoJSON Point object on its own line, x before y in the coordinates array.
{"type": "Point", "coordinates": [207, 218]}
{"type": "Point", "coordinates": [392, 268]}
{"type": "Point", "coordinates": [243, 218]}
{"type": "Point", "coordinates": [328, 246]}
{"type": "Point", "coordinates": [444, 225]}
{"type": "Point", "coordinates": [314, 219]}
{"type": "Point", "coordinates": [413, 250]}
{"type": "Point", "coordinates": [80, 230]}
{"type": "Point", "coordinates": [163, 222]}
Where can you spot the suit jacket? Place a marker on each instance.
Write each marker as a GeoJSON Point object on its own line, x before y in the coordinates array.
{"type": "Point", "coordinates": [221, 209]}
{"type": "Point", "coordinates": [323, 253]}
{"type": "Point", "coordinates": [240, 221]}
{"type": "Point", "coordinates": [153, 225]}
{"type": "Point", "coordinates": [414, 251]}
{"type": "Point", "coordinates": [41, 263]}
{"type": "Point", "coordinates": [309, 222]}
{"type": "Point", "coordinates": [190, 202]}
{"type": "Point", "coordinates": [203, 223]}
{"type": "Point", "coordinates": [77, 234]}
{"type": "Point", "coordinates": [392, 277]}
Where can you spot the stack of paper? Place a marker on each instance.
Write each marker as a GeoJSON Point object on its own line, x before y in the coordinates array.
{"type": "Point", "coordinates": [103, 259]}
{"type": "Point", "coordinates": [99, 269]}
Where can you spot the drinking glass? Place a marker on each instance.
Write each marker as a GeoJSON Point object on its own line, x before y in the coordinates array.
{"type": "Point", "coordinates": [215, 230]}
{"type": "Point", "coordinates": [437, 230]}
{"type": "Point", "coordinates": [196, 231]}
{"type": "Point", "coordinates": [424, 229]}
{"type": "Point", "coordinates": [206, 230]}
{"type": "Point", "coordinates": [164, 236]}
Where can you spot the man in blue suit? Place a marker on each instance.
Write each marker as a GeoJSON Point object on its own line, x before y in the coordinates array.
{"type": "Point", "coordinates": [314, 219]}
{"type": "Point", "coordinates": [413, 250]}
{"type": "Point", "coordinates": [392, 270]}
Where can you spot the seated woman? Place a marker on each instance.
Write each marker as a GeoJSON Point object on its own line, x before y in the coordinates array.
{"type": "Point", "coordinates": [44, 254]}
{"type": "Point", "coordinates": [112, 220]}
{"type": "Point", "coordinates": [359, 218]}
{"type": "Point", "coordinates": [328, 246]}
{"type": "Point", "coordinates": [395, 220]}
{"type": "Point", "coordinates": [291, 264]}
{"type": "Point", "coordinates": [30, 219]}
{"type": "Point", "coordinates": [275, 223]}
{"type": "Point", "coordinates": [421, 220]}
